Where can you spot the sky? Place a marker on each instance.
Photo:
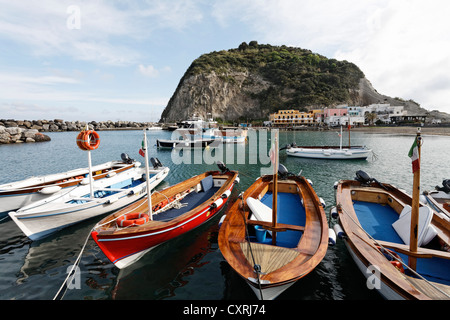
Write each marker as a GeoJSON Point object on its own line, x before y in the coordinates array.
{"type": "Point", "coordinates": [99, 60]}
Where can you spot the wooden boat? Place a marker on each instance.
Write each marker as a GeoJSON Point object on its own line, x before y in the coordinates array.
{"type": "Point", "coordinates": [398, 243]}
{"type": "Point", "coordinates": [126, 235]}
{"type": "Point", "coordinates": [272, 249]}
{"type": "Point", "coordinates": [329, 152]}
{"type": "Point", "coordinates": [439, 199]}
{"type": "Point", "coordinates": [44, 217]}
{"type": "Point", "coordinates": [18, 194]}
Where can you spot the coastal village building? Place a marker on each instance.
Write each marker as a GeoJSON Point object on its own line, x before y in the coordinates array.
{"type": "Point", "coordinates": [341, 115]}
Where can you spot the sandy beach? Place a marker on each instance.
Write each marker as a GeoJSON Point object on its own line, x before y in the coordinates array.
{"type": "Point", "coordinates": [442, 131]}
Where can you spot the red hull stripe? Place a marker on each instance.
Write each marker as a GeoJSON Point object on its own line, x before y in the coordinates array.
{"type": "Point", "coordinates": [157, 232]}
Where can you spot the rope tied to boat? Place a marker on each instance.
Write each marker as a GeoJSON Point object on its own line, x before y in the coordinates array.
{"type": "Point", "coordinates": [384, 250]}
{"type": "Point", "coordinates": [256, 267]}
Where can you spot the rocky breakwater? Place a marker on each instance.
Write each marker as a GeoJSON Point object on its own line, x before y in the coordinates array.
{"type": "Point", "coordinates": [19, 135]}
{"type": "Point", "coordinates": [17, 131]}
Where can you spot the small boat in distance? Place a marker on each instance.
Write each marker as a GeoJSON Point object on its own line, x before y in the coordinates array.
{"type": "Point", "coordinates": [275, 233]}
{"type": "Point", "coordinates": [126, 235]}
{"type": "Point", "coordinates": [329, 152]}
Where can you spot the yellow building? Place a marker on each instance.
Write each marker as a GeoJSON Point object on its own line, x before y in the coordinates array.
{"type": "Point", "coordinates": [293, 117]}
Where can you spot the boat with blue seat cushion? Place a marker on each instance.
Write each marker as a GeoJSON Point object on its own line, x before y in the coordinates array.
{"type": "Point", "coordinates": [376, 219]}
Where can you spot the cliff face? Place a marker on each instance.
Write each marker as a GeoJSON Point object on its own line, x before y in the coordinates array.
{"type": "Point", "coordinates": [211, 93]}
{"type": "Point", "coordinates": [253, 81]}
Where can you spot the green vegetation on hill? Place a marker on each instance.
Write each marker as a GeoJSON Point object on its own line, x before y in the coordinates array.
{"type": "Point", "coordinates": [298, 77]}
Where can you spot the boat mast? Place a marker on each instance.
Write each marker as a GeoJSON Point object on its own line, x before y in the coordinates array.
{"type": "Point", "coordinates": [415, 208]}
{"type": "Point", "coordinates": [91, 179]}
{"type": "Point", "coordinates": [275, 188]}
{"type": "Point", "coordinates": [147, 177]}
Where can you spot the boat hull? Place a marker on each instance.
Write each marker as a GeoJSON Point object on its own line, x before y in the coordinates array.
{"type": "Point", "coordinates": [18, 194]}
{"type": "Point", "coordinates": [180, 144]}
{"type": "Point", "coordinates": [301, 235]}
{"type": "Point", "coordinates": [43, 218]}
{"type": "Point", "coordinates": [124, 247]}
{"type": "Point", "coordinates": [329, 153]}
{"type": "Point", "coordinates": [370, 216]}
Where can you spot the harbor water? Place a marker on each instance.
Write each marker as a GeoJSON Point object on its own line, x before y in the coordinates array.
{"type": "Point", "coordinates": [191, 267]}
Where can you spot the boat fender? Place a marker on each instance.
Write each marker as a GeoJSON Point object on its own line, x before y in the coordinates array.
{"type": "Point", "coordinates": [221, 220]}
{"type": "Point", "coordinates": [339, 232]}
{"type": "Point", "coordinates": [331, 237]}
{"type": "Point", "coordinates": [310, 181]}
{"type": "Point", "coordinates": [111, 174]}
{"type": "Point", "coordinates": [237, 180]}
{"type": "Point", "coordinates": [50, 190]}
{"type": "Point", "coordinates": [132, 219]}
{"type": "Point", "coordinates": [336, 184]}
{"type": "Point", "coordinates": [216, 203]}
{"type": "Point", "coordinates": [322, 202]}
{"type": "Point", "coordinates": [334, 213]}
{"type": "Point", "coordinates": [84, 181]}
{"type": "Point", "coordinates": [226, 194]}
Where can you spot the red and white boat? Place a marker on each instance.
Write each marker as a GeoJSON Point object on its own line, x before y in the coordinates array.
{"type": "Point", "coordinates": [126, 235]}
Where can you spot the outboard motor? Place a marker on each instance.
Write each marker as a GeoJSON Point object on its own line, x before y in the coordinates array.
{"type": "Point", "coordinates": [445, 186]}
{"type": "Point", "coordinates": [283, 172]}
{"type": "Point", "coordinates": [363, 177]}
{"type": "Point", "coordinates": [366, 180]}
{"type": "Point", "coordinates": [156, 163]}
{"type": "Point", "coordinates": [126, 158]}
{"type": "Point", "coordinates": [222, 167]}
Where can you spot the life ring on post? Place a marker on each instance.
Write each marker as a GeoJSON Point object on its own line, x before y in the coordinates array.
{"type": "Point", "coordinates": [88, 140]}
{"type": "Point", "coordinates": [132, 219]}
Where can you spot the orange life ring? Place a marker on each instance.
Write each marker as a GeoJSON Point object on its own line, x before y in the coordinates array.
{"type": "Point", "coordinates": [132, 219]}
{"type": "Point", "coordinates": [395, 262]}
{"type": "Point", "coordinates": [88, 140]}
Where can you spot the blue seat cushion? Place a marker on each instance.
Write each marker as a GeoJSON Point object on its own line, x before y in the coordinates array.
{"type": "Point", "coordinates": [207, 183]}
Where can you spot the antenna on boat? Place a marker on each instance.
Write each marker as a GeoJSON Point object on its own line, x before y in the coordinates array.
{"type": "Point", "coordinates": [274, 158]}
{"type": "Point", "coordinates": [147, 176]}
{"type": "Point", "coordinates": [414, 153]}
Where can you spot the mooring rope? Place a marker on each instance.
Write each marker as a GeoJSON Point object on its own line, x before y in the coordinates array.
{"type": "Point", "coordinates": [256, 267]}
{"type": "Point", "coordinates": [60, 294]}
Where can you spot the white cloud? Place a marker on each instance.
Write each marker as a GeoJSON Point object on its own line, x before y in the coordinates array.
{"type": "Point", "coordinates": [402, 46]}
{"type": "Point", "coordinates": [148, 71]}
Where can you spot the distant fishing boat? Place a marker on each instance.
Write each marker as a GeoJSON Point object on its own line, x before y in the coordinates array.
{"type": "Point", "coordinates": [275, 233]}
{"type": "Point", "coordinates": [375, 220]}
{"type": "Point", "coordinates": [329, 152]}
{"type": "Point", "coordinates": [126, 235]}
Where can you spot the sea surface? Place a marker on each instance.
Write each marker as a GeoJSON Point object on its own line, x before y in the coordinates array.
{"type": "Point", "coordinates": [191, 267]}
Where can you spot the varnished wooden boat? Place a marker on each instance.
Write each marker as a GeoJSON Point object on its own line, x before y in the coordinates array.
{"type": "Point", "coordinates": [18, 194]}
{"type": "Point", "coordinates": [374, 221]}
{"type": "Point", "coordinates": [174, 211]}
{"type": "Point", "coordinates": [269, 256]}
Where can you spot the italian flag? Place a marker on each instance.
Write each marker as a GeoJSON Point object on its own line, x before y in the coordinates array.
{"type": "Point", "coordinates": [142, 149]}
{"type": "Point", "coordinates": [414, 155]}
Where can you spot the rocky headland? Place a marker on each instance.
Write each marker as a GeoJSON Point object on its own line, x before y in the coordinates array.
{"type": "Point", "coordinates": [19, 131]}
